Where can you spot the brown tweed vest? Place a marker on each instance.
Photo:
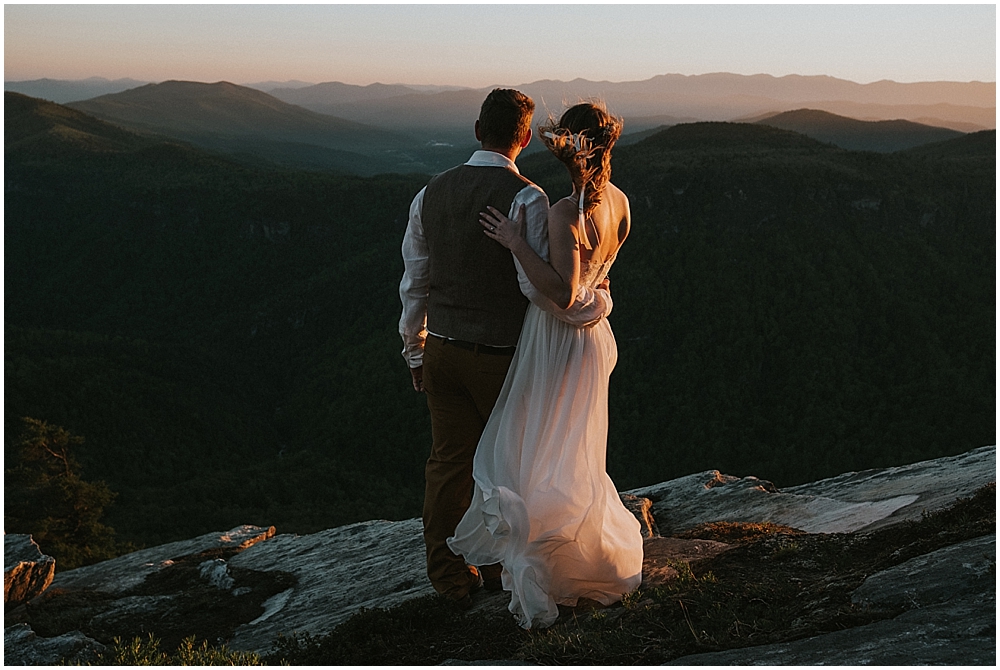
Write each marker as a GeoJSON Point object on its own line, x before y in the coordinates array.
{"type": "Point", "coordinates": [473, 293]}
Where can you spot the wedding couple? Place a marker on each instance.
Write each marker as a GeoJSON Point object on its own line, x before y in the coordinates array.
{"type": "Point", "coordinates": [504, 328]}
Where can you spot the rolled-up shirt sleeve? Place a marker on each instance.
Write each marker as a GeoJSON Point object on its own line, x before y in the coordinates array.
{"type": "Point", "coordinates": [414, 285]}
{"type": "Point", "coordinates": [591, 305]}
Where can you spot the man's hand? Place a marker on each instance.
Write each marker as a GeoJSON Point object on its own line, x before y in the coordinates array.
{"type": "Point", "coordinates": [605, 284]}
{"type": "Point", "coordinates": [417, 374]}
{"type": "Point", "coordinates": [503, 230]}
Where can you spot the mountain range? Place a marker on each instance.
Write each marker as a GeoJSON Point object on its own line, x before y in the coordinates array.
{"type": "Point", "coordinates": [333, 93]}
{"type": "Point", "coordinates": [963, 106]}
{"type": "Point", "coordinates": [710, 97]}
{"type": "Point", "coordinates": [382, 128]}
{"type": "Point", "coordinates": [404, 131]}
{"type": "Point", "coordinates": [222, 332]}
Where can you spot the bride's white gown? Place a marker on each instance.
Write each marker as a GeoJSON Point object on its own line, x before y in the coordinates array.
{"type": "Point", "coordinates": [543, 504]}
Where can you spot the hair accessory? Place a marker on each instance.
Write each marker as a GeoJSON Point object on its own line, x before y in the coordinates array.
{"type": "Point", "coordinates": [580, 141]}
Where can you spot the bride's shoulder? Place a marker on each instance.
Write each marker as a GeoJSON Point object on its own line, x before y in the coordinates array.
{"type": "Point", "coordinates": [564, 208]}
{"type": "Point", "coordinates": [616, 193]}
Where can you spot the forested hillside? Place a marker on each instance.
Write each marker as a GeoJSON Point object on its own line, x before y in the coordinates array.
{"type": "Point", "coordinates": [792, 311]}
{"type": "Point", "coordinates": [846, 133]}
{"type": "Point", "coordinates": [224, 337]}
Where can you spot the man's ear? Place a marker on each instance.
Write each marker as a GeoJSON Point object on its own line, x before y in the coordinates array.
{"type": "Point", "coordinates": [478, 138]}
{"type": "Point", "coordinates": [527, 139]}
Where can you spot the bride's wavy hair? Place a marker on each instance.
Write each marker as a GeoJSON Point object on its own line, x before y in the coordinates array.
{"type": "Point", "coordinates": [582, 140]}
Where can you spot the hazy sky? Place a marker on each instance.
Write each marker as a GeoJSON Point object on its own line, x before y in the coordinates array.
{"type": "Point", "coordinates": [480, 45]}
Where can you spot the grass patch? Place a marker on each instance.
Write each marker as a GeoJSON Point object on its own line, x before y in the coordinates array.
{"type": "Point", "coordinates": [147, 651]}
{"type": "Point", "coordinates": [735, 532]}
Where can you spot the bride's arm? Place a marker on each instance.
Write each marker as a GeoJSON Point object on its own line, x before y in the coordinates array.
{"type": "Point", "coordinates": [559, 279]}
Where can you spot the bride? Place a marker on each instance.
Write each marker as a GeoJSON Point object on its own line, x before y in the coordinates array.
{"type": "Point", "coordinates": [543, 504]}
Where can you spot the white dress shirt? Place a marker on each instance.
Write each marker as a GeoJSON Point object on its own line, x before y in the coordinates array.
{"type": "Point", "coordinates": [591, 305]}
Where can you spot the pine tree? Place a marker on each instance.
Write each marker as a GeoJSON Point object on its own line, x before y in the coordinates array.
{"type": "Point", "coordinates": [44, 496]}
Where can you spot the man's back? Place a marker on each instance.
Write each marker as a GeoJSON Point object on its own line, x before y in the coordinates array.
{"type": "Point", "coordinates": [473, 294]}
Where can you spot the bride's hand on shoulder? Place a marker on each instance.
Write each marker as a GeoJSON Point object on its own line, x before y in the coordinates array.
{"type": "Point", "coordinates": [502, 229]}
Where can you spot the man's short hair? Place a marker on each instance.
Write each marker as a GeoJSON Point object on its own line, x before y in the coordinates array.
{"type": "Point", "coordinates": [505, 118]}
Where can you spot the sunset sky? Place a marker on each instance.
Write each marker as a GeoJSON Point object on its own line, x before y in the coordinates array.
{"type": "Point", "coordinates": [481, 45]}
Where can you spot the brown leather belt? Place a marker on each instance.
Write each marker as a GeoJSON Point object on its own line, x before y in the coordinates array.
{"type": "Point", "coordinates": [476, 347]}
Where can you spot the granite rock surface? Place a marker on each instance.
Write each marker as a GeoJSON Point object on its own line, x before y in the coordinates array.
{"type": "Point", "coordinates": [26, 570]}
{"type": "Point", "coordinates": [369, 564]}
{"type": "Point", "coordinates": [967, 569]}
{"type": "Point", "coordinates": [118, 575]}
{"type": "Point", "coordinates": [952, 620]}
{"type": "Point", "coordinates": [847, 503]}
{"type": "Point", "coordinates": [22, 647]}
{"type": "Point", "coordinates": [248, 585]}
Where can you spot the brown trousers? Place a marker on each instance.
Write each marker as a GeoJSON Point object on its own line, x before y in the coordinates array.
{"type": "Point", "coordinates": [462, 387]}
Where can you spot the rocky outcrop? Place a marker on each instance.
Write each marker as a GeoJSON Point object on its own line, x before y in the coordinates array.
{"type": "Point", "coordinates": [173, 590]}
{"type": "Point", "coordinates": [26, 570]}
{"type": "Point", "coordinates": [22, 647]}
{"type": "Point", "coordinates": [121, 574]}
{"type": "Point", "coordinates": [248, 585]}
{"type": "Point", "coordinates": [951, 594]}
{"type": "Point", "coordinates": [932, 484]}
{"type": "Point", "coordinates": [964, 570]}
{"type": "Point", "coordinates": [642, 509]}
{"type": "Point", "coordinates": [847, 503]}
{"type": "Point", "coordinates": [339, 571]}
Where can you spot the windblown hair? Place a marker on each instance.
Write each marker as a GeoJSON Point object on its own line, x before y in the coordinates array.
{"type": "Point", "coordinates": [505, 118]}
{"type": "Point", "coordinates": [582, 140]}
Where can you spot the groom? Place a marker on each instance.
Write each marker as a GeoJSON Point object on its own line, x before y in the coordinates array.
{"type": "Point", "coordinates": [464, 299]}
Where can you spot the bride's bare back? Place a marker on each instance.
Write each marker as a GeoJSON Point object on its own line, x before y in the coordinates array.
{"type": "Point", "coordinates": [607, 226]}
{"type": "Point", "coordinates": [603, 231]}
{"type": "Point", "coordinates": [570, 244]}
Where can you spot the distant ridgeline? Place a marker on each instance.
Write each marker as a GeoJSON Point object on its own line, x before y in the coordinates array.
{"type": "Point", "coordinates": [223, 334]}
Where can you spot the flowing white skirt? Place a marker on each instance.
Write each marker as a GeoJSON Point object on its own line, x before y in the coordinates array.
{"type": "Point", "coordinates": [543, 504]}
